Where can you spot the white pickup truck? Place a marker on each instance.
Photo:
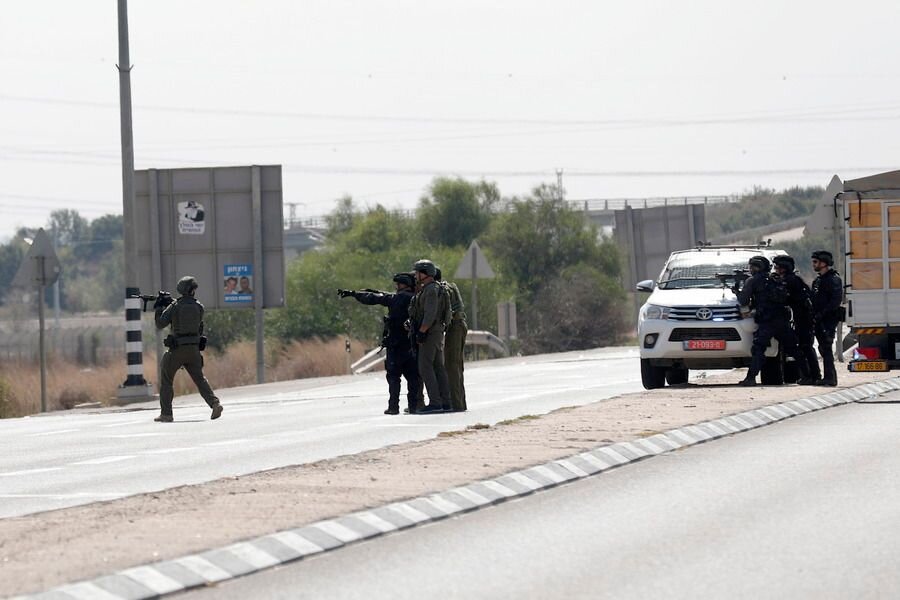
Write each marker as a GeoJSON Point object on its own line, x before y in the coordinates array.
{"type": "Point", "coordinates": [692, 320]}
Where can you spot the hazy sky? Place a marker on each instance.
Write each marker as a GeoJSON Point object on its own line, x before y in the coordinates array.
{"type": "Point", "coordinates": [375, 98]}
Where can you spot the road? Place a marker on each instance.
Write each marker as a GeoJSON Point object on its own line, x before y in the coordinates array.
{"type": "Point", "coordinates": [72, 458]}
{"type": "Point", "coordinates": [807, 508]}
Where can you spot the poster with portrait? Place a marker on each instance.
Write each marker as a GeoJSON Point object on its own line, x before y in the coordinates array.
{"type": "Point", "coordinates": [191, 218]}
{"type": "Point", "coordinates": [237, 284]}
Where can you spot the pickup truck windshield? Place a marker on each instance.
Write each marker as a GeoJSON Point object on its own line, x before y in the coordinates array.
{"type": "Point", "coordinates": [688, 272]}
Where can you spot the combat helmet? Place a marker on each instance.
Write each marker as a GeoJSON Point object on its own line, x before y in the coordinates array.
{"type": "Point", "coordinates": [406, 279]}
{"type": "Point", "coordinates": [186, 285]}
{"type": "Point", "coordinates": [824, 256]}
{"type": "Point", "coordinates": [785, 261]}
{"type": "Point", "coordinates": [425, 266]}
{"type": "Point", "coordinates": [761, 262]}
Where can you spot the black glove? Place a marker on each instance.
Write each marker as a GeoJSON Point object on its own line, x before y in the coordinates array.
{"type": "Point", "coordinates": [345, 293]}
{"type": "Point", "coordinates": [162, 301]}
{"type": "Point", "coordinates": [420, 336]}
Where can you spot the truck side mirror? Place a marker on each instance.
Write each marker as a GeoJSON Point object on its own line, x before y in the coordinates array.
{"type": "Point", "coordinates": [645, 285]}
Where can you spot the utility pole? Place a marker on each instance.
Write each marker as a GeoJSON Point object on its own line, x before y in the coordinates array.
{"type": "Point", "coordinates": [559, 187]}
{"type": "Point", "coordinates": [135, 385]}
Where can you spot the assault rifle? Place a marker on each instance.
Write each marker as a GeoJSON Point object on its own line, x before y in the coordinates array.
{"type": "Point", "coordinates": [160, 300]}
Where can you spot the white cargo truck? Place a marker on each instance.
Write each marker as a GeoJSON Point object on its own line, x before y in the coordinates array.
{"type": "Point", "coordinates": [870, 211]}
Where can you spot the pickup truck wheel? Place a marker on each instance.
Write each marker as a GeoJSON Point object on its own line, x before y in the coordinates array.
{"type": "Point", "coordinates": [652, 377]}
{"type": "Point", "coordinates": [771, 372]}
{"type": "Point", "coordinates": [676, 376]}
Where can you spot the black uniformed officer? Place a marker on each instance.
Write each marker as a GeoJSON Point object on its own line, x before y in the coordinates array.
{"type": "Point", "coordinates": [185, 316]}
{"type": "Point", "coordinates": [429, 315]}
{"type": "Point", "coordinates": [799, 300]}
{"type": "Point", "coordinates": [399, 360]}
{"type": "Point", "coordinates": [771, 318]}
{"type": "Point", "coordinates": [827, 292]}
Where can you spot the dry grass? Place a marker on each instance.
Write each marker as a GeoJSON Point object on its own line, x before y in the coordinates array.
{"type": "Point", "coordinates": [69, 384]}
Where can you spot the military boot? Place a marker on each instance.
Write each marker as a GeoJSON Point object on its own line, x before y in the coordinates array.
{"type": "Point", "coordinates": [164, 419]}
{"type": "Point", "coordinates": [216, 412]}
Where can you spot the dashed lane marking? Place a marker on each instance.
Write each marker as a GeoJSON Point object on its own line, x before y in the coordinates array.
{"type": "Point", "coordinates": [170, 450]}
{"type": "Point", "coordinates": [104, 460]}
{"type": "Point", "coordinates": [30, 471]}
{"type": "Point", "coordinates": [57, 432]}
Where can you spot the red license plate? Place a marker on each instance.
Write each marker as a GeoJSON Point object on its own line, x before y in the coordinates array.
{"type": "Point", "coordinates": [704, 344]}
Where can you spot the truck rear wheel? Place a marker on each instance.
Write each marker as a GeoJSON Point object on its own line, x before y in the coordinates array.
{"type": "Point", "coordinates": [652, 377]}
{"type": "Point", "coordinates": [676, 376]}
{"type": "Point", "coordinates": [771, 373]}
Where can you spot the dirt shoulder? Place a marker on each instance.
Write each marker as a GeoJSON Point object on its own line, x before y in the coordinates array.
{"type": "Point", "coordinates": [48, 549]}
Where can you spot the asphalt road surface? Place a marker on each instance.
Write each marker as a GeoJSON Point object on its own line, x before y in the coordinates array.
{"type": "Point", "coordinates": [807, 508]}
{"type": "Point", "coordinates": [70, 458]}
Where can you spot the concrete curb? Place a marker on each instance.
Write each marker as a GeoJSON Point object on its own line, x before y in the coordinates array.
{"type": "Point", "coordinates": [220, 564]}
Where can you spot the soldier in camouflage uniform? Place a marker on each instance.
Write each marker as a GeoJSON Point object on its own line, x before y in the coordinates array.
{"type": "Point", "coordinates": [455, 344]}
{"type": "Point", "coordinates": [428, 316]}
{"type": "Point", "coordinates": [185, 316]}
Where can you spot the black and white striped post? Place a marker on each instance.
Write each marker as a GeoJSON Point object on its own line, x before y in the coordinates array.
{"type": "Point", "coordinates": [134, 344]}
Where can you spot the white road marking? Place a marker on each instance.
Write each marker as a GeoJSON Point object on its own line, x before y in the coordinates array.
{"type": "Point", "coordinates": [104, 460]}
{"type": "Point", "coordinates": [170, 450]}
{"type": "Point", "coordinates": [58, 431]}
{"type": "Point", "coordinates": [226, 442]}
{"type": "Point", "coordinates": [109, 495]}
{"type": "Point", "coordinates": [30, 471]}
{"type": "Point", "coordinates": [121, 423]}
{"type": "Point", "coordinates": [133, 435]}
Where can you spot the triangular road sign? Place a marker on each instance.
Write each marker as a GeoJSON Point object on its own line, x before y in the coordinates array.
{"type": "Point", "coordinates": [40, 266]}
{"type": "Point", "coordinates": [474, 265]}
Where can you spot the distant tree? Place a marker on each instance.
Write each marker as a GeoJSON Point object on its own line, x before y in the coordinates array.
{"type": "Point", "coordinates": [455, 211]}
{"type": "Point", "coordinates": [540, 236]}
{"type": "Point", "coordinates": [11, 256]}
{"type": "Point", "coordinates": [378, 230]}
{"type": "Point", "coordinates": [102, 233]}
{"type": "Point", "coordinates": [340, 220]}
{"type": "Point", "coordinates": [66, 226]}
{"type": "Point", "coordinates": [760, 207]}
{"type": "Point", "coordinates": [579, 309]}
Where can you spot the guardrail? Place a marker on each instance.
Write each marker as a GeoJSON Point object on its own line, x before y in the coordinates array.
{"type": "Point", "coordinates": [473, 338]}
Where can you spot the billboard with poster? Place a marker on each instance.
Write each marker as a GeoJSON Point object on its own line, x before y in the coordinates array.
{"type": "Point", "coordinates": [213, 223]}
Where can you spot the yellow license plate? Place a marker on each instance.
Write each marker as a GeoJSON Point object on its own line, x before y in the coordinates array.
{"type": "Point", "coordinates": [870, 365]}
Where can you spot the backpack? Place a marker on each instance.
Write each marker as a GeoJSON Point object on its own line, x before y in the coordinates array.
{"type": "Point", "coordinates": [776, 291]}
{"type": "Point", "coordinates": [456, 303]}
{"type": "Point", "coordinates": [445, 310]}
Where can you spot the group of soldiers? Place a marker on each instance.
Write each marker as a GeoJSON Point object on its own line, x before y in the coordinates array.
{"type": "Point", "coordinates": [424, 337]}
{"type": "Point", "coordinates": [795, 314]}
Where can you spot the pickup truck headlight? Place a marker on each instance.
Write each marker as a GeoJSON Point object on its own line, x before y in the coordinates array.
{"type": "Point", "coordinates": [656, 312]}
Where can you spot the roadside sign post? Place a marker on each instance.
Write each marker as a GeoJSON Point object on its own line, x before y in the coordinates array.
{"type": "Point", "coordinates": [474, 266]}
{"type": "Point", "coordinates": [40, 268]}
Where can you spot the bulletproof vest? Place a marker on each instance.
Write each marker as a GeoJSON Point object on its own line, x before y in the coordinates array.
{"type": "Point", "coordinates": [771, 300]}
{"type": "Point", "coordinates": [776, 291]}
{"type": "Point", "coordinates": [187, 316]}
